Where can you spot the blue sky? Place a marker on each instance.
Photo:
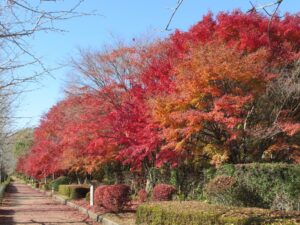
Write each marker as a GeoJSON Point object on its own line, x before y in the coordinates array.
{"type": "Point", "coordinates": [123, 19]}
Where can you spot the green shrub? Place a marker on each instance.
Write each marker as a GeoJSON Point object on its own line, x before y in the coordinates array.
{"type": "Point", "coordinates": [3, 187]}
{"type": "Point", "coordinates": [222, 189]}
{"type": "Point", "coordinates": [74, 191]}
{"type": "Point", "coordinates": [61, 180]}
{"type": "Point", "coordinates": [265, 185]}
{"type": "Point", "coordinates": [8, 180]}
{"type": "Point", "coordinates": [35, 185]}
{"type": "Point", "coordinates": [46, 186]}
{"type": "Point", "coordinates": [64, 190]}
{"type": "Point", "coordinates": [88, 196]}
{"type": "Point", "coordinates": [174, 178]}
{"type": "Point", "coordinates": [198, 213]}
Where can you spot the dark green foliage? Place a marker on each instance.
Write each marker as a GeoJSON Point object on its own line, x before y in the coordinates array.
{"type": "Point", "coordinates": [111, 173]}
{"type": "Point", "coordinates": [262, 185]}
{"type": "Point", "coordinates": [198, 213]}
{"type": "Point", "coordinates": [3, 187]}
{"type": "Point", "coordinates": [174, 178]}
{"type": "Point", "coordinates": [223, 189]}
{"type": "Point", "coordinates": [74, 191]}
{"type": "Point", "coordinates": [61, 180]}
{"type": "Point", "coordinates": [46, 186]}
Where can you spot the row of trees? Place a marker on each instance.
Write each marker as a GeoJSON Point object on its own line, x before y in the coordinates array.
{"type": "Point", "coordinates": [227, 90]}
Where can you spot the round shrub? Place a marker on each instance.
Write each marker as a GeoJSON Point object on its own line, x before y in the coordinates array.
{"type": "Point", "coordinates": [98, 195]}
{"type": "Point", "coordinates": [142, 195]}
{"type": "Point", "coordinates": [46, 186]}
{"type": "Point", "coordinates": [116, 197]}
{"type": "Point", "coordinates": [163, 192]}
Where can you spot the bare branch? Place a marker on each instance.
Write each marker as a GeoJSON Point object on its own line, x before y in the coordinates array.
{"type": "Point", "coordinates": [179, 3]}
{"type": "Point", "coordinates": [264, 7]}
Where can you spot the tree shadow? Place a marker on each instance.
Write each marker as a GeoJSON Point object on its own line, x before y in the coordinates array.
{"type": "Point", "coordinates": [6, 216]}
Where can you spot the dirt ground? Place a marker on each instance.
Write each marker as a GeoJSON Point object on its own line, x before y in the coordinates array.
{"type": "Point", "coordinates": [23, 205]}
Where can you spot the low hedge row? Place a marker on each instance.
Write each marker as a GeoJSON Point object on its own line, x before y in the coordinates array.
{"type": "Point", "coordinates": [74, 191]}
{"type": "Point", "coordinates": [263, 185]}
{"type": "Point", "coordinates": [59, 181]}
{"type": "Point", "coordinates": [198, 213]}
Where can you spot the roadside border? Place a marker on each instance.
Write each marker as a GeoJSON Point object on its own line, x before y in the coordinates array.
{"type": "Point", "coordinates": [94, 216]}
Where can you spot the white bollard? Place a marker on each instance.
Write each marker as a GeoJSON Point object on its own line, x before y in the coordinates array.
{"type": "Point", "coordinates": [91, 195]}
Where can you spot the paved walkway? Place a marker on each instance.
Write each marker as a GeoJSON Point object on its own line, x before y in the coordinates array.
{"type": "Point", "coordinates": [24, 205]}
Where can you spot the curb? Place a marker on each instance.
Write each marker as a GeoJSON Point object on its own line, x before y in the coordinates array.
{"type": "Point", "coordinates": [94, 216]}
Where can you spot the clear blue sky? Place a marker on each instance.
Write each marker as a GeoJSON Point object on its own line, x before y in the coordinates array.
{"type": "Point", "coordinates": [124, 19]}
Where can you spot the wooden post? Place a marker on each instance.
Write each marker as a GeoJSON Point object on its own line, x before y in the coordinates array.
{"type": "Point", "coordinates": [92, 195]}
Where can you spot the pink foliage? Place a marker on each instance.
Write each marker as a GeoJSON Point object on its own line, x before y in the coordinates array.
{"type": "Point", "coordinates": [163, 192]}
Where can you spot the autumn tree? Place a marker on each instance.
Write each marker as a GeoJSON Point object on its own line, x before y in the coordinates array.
{"type": "Point", "coordinates": [224, 91]}
{"type": "Point", "coordinates": [219, 69]}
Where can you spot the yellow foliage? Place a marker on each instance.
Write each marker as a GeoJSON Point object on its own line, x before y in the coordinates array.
{"type": "Point", "coordinates": [217, 154]}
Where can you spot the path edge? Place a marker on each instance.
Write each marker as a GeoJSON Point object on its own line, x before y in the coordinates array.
{"type": "Point", "coordinates": [93, 216]}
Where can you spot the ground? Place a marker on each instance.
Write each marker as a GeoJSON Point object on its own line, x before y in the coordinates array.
{"type": "Point", "coordinates": [23, 205]}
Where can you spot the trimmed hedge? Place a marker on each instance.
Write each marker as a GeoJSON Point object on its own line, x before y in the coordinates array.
{"type": "Point", "coordinates": [163, 192]}
{"type": "Point", "coordinates": [112, 197]}
{"type": "Point", "coordinates": [74, 191]}
{"type": "Point", "coordinates": [198, 213]}
{"type": "Point", "coordinates": [98, 195]}
{"type": "Point", "coordinates": [60, 180]}
{"type": "Point", "coordinates": [225, 190]}
{"type": "Point", "coordinates": [46, 186]}
{"type": "Point", "coordinates": [264, 185]}
{"type": "Point", "coordinates": [115, 197]}
{"type": "Point", "coordinates": [64, 190]}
